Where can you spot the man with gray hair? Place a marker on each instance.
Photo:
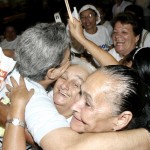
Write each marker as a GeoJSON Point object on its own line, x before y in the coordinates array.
{"type": "Point", "coordinates": [42, 55]}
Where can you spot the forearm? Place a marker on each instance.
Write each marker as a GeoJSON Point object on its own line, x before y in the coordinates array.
{"type": "Point", "coordinates": [66, 139]}
{"type": "Point", "coordinates": [3, 114]}
{"type": "Point", "coordinates": [126, 140]}
{"type": "Point", "coordinates": [102, 56]}
{"type": "Point", "coordinates": [17, 132]}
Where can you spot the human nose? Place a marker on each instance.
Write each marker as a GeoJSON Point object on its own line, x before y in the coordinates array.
{"type": "Point", "coordinates": [65, 85]}
{"type": "Point", "coordinates": [116, 35]}
{"type": "Point", "coordinates": [78, 104]}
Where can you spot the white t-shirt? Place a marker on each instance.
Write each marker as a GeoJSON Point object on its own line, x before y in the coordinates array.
{"type": "Point", "coordinates": [9, 44]}
{"type": "Point", "coordinates": [109, 27]}
{"type": "Point", "coordinates": [145, 41]}
{"type": "Point", "coordinates": [41, 114]}
{"type": "Point", "coordinates": [115, 54]}
{"type": "Point", "coordinates": [100, 38]}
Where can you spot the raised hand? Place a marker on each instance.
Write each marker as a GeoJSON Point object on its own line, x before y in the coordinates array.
{"type": "Point", "coordinates": [76, 30]}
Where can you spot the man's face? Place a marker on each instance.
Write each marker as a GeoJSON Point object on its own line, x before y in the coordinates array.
{"type": "Point", "coordinates": [92, 111]}
{"type": "Point", "coordinates": [10, 34]}
{"type": "Point", "coordinates": [67, 87]}
{"type": "Point", "coordinates": [123, 38]}
{"type": "Point", "coordinates": [88, 19]}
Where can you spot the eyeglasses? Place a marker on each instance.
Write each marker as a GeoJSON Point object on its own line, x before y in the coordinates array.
{"type": "Point", "coordinates": [89, 16]}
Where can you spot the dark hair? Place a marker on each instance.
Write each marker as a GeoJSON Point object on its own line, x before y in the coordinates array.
{"type": "Point", "coordinates": [141, 63]}
{"type": "Point", "coordinates": [136, 10]}
{"type": "Point", "coordinates": [128, 18]}
{"type": "Point", "coordinates": [130, 93]}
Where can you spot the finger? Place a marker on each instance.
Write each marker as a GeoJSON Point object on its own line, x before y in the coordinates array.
{"type": "Point", "coordinates": [7, 94]}
{"type": "Point", "coordinates": [21, 81]}
{"type": "Point", "coordinates": [14, 82]}
{"type": "Point", "coordinates": [31, 92]}
{"type": "Point", "coordinates": [8, 87]}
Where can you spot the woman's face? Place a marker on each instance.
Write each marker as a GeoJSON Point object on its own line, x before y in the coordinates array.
{"type": "Point", "coordinates": [92, 111]}
{"type": "Point", "coordinates": [67, 87]}
{"type": "Point", "coordinates": [88, 19]}
{"type": "Point", "coordinates": [123, 38]}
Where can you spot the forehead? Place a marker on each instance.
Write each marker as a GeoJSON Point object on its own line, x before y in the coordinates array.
{"type": "Point", "coordinates": [96, 83]}
{"type": "Point", "coordinates": [120, 25]}
{"type": "Point", "coordinates": [10, 28]}
{"type": "Point", "coordinates": [86, 12]}
{"type": "Point", "coordinates": [77, 71]}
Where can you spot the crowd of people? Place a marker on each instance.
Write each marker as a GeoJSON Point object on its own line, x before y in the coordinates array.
{"type": "Point", "coordinates": [80, 86]}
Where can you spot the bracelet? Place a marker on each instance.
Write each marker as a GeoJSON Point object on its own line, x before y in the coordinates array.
{"type": "Point", "coordinates": [16, 122]}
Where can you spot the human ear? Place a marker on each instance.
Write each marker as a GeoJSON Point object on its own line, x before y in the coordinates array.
{"type": "Point", "coordinates": [129, 64]}
{"type": "Point", "coordinates": [137, 38]}
{"type": "Point", "coordinates": [55, 73]}
{"type": "Point", "coordinates": [123, 120]}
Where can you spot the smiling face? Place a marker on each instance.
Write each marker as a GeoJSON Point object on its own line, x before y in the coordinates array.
{"type": "Point", "coordinates": [67, 87]}
{"type": "Point", "coordinates": [124, 38]}
{"type": "Point", "coordinates": [88, 19]}
{"type": "Point", "coordinates": [92, 111]}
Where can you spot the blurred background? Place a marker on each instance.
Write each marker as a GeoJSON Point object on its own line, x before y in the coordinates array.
{"type": "Point", "coordinates": [24, 13]}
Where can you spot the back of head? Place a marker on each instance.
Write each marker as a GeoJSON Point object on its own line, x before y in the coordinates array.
{"type": "Point", "coordinates": [128, 18]}
{"type": "Point", "coordinates": [136, 10]}
{"type": "Point", "coordinates": [127, 92]}
{"type": "Point", "coordinates": [40, 48]}
{"type": "Point", "coordinates": [141, 63]}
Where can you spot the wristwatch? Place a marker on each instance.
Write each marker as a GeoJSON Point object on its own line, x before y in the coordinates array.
{"type": "Point", "coordinates": [16, 122]}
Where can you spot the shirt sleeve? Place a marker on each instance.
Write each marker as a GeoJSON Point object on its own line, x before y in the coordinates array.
{"type": "Point", "coordinates": [42, 117]}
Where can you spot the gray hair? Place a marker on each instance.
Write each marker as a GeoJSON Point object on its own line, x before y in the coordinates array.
{"type": "Point", "coordinates": [89, 67]}
{"type": "Point", "coordinates": [40, 48]}
{"type": "Point", "coordinates": [118, 86]}
{"type": "Point", "coordinates": [125, 91]}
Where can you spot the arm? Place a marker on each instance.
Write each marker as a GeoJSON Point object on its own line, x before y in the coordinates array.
{"type": "Point", "coordinates": [9, 53]}
{"type": "Point", "coordinates": [16, 110]}
{"type": "Point", "coordinates": [65, 139]}
{"type": "Point", "coordinates": [4, 110]}
{"type": "Point", "coordinates": [103, 57]}
{"type": "Point", "coordinates": [3, 114]}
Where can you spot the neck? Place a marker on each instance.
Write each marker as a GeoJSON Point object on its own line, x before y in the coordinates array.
{"type": "Point", "coordinates": [92, 31]}
{"type": "Point", "coordinates": [63, 111]}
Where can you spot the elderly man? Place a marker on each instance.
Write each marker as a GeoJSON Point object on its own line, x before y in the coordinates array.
{"type": "Point", "coordinates": [42, 55]}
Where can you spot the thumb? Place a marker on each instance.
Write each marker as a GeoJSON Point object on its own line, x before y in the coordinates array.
{"type": "Point", "coordinates": [31, 92]}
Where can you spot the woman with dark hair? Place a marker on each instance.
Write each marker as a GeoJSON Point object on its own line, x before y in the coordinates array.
{"type": "Point", "coordinates": [112, 108]}
{"type": "Point", "coordinates": [126, 34]}
{"type": "Point", "coordinates": [145, 35]}
{"type": "Point", "coordinates": [141, 63]}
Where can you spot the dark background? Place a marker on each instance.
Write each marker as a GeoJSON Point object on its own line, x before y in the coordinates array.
{"type": "Point", "coordinates": [25, 13]}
